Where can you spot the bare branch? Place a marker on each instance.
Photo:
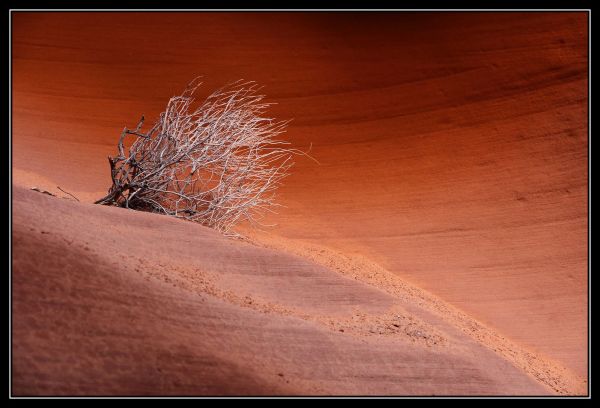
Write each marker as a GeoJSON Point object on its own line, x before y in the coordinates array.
{"type": "Point", "coordinates": [66, 192]}
{"type": "Point", "coordinates": [42, 191]}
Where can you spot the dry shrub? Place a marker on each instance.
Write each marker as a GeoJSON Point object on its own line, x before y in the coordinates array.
{"type": "Point", "coordinates": [217, 165]}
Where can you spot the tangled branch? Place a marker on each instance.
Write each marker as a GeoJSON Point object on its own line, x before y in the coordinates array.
{"type": "Point", "coordinates": [216, 165]}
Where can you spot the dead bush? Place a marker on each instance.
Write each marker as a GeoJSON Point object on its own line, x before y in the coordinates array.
{"type": "Point", "coordinates": [218, 164]}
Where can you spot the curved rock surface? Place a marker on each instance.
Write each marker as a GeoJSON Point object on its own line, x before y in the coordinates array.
{"type": "Point", "coordinates": [453, 161]}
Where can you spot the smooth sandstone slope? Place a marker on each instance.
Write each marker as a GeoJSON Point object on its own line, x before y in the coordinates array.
{"type": "Point", "coordinates": [453, 147]}
{"type": "Point", "coordinates": [112, 301]}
